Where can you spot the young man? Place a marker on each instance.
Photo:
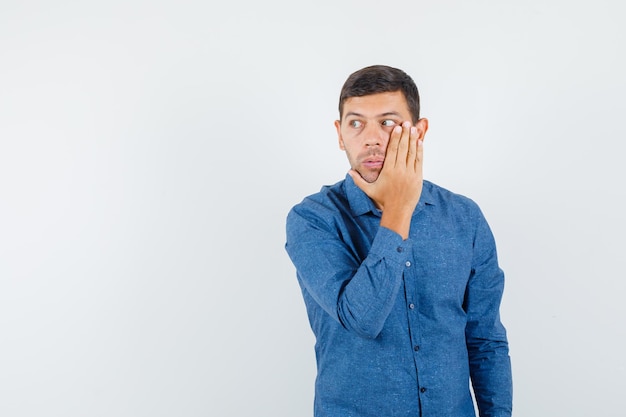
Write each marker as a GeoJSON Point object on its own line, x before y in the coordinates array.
{"type": "Point", "coordinates": [399, 276]}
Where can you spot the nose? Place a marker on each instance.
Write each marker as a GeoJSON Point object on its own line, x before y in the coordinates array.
{"type": "Point", "coordinates": [375, 135]}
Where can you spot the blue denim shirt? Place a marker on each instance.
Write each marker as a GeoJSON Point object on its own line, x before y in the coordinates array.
{"type": "Point", "coordinates": [401, 325]}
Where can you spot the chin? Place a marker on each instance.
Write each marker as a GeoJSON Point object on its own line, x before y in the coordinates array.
{"type": "Point", "coordinates": [370, 176]}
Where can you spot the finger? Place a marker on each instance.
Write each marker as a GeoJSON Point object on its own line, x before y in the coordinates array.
{"type": "Point", "coordinates": [403, 145]}
{"type": "Point", "coordinates": [392, 147]}
{"type": "Point", "coordinates": [419, 158]}
{"type": "Point", "coordinates": [421, 127]}
{"type": "Point", "coordinates": [412, 153]}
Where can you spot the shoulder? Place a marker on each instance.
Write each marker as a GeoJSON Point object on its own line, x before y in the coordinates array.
{"type": "Point", "coordinates": [328, 195]}
{"type": "Point", "coordinates": [322, 206]}
{"type": "Point", "coordinates": [443, 195]}
{"type": "Point", "coordinates": [451, 203]}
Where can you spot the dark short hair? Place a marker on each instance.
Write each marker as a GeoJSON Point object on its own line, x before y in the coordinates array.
{"type": "Point", "coordinates": [381, 79]}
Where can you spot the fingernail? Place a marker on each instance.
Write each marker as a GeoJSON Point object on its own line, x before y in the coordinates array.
{"type": "Point", "coordinates": [397, 129]}
{"type": "Point", "coordinates": [413, 130]}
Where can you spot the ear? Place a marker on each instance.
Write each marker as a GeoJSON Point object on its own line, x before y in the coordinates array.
{"type": "Point", "coordinates": [422, 127]}
{"type": "Point", "coordinates": [342, 146]}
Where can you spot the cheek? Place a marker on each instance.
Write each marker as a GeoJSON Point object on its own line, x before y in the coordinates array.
{"type": "Point", "coordinates": [349, 140]}
{"type": "Point", "coordinates": [387, 131]}
{"type": "Point", "coordinates": [385, 134]}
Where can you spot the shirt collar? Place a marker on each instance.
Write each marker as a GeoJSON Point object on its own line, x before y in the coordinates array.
{"type": "Point", "coordinates": [360, 203]}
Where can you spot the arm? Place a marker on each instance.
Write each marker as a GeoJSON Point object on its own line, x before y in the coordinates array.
{"type": "Point", "coordinates": [360, 290]}
{"type": "Point", "coordinates": [358, 293]}
{"type": "Point", "coordinates": [399, 185]}
{"type": "Point", "coordinates": [487, 344]}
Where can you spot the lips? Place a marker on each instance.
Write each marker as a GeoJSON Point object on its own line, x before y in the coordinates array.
{"type": "Point", "coordinates": [374, 163]}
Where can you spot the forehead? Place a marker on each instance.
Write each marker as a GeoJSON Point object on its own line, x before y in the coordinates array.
{"type": "Point", "coordinates": [377, 104]}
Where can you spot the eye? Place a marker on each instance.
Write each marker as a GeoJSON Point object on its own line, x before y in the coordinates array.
{"type": "Point", "coordinates": [388, 122]}
{"type": "Point", "coordinates": [356, 124]}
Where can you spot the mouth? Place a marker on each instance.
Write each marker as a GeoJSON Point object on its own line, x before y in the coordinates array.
{"type": "Point", "coordinates": [374, 162]}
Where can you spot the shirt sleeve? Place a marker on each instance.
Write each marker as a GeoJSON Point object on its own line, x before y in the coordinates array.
{"type": "Point", "coordinates": [358, 293]}
{"type": "Point", "coordinates": [487, 344]}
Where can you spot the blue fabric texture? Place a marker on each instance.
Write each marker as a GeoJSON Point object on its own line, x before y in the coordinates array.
{"type": "Point", "coordinates": [402, 326]}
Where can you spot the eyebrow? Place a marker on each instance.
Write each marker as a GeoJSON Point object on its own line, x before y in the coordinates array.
{"type": "Point", "coordinates": [386, 114]}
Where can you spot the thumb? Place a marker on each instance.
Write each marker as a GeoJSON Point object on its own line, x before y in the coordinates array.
{"type": "Point", "coordinates": [358, 180]}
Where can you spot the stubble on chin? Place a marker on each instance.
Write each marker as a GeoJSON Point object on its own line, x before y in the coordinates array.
{"type": "Point", "coordinates": [369, 176]}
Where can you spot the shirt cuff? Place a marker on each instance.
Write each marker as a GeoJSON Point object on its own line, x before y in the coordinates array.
{"type": "Point", "coordinates": [390, 245]}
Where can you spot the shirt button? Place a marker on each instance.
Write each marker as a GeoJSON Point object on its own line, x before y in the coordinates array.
{"type": "Point", "coordinates": [422, 390]}
{"type": "Point", "coordinates": [416, 348]}
{"type": "Point", "coordinates": [411, 306]}
{"type": "Point", "coordinates": [408, 263]}
{"type": "Point", "coordinates": [399, 249]}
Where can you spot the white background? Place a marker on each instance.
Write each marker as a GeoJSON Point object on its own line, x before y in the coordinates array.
{"type": "Point", "coordinates": [150, 151]}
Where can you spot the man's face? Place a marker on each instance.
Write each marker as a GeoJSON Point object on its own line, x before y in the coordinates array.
{"type": "Point", "coordinates": [365, 129]}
